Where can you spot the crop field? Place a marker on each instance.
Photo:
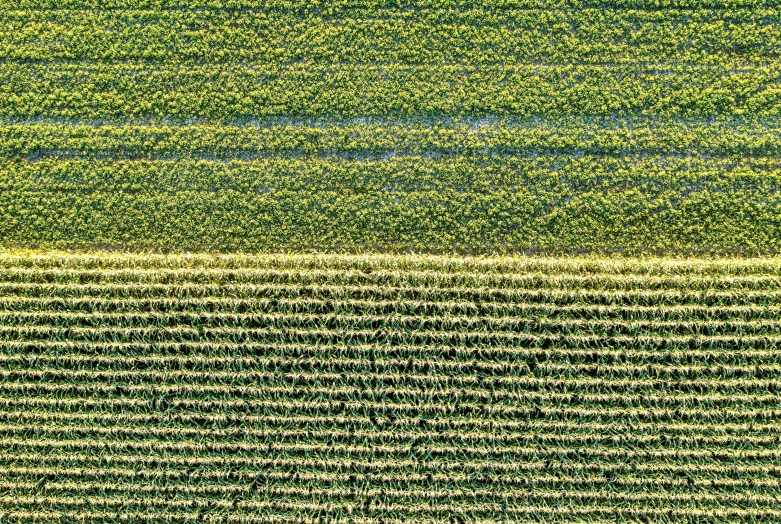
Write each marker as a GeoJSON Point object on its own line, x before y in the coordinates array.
{"type": "Point", "coordinates": [436, 126]}
{"type": "Point", "coordinates": [357, 388]}
{"type": "Point", "coordinates": [385, 261]}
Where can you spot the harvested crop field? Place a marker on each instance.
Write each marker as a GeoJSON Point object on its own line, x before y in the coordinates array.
{"type": "Point", "coordinates": [287, 388]}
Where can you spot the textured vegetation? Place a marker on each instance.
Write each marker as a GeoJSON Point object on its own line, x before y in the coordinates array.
{"type": "Point", "coordinates": [439, 126]}
{"type": "Point", "coordinates": [391, 387]}
{"type": "Point", "coordinates": [375, 389]}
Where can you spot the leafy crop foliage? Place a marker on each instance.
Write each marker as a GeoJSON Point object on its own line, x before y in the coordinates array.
{"type": "Point", "coordinates": [388, 388]}
{"type": "Point", "coordinates": [393, 387]}
{"type": "Point", "coordinates": [536, 126]}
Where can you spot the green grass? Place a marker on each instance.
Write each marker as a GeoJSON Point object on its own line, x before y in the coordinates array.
{"type": "Point", "coordinates": [291, 388]}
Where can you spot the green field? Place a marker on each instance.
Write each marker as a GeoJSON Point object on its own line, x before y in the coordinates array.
{"type": "Point", "coordinates": [385, 261]}
{"type": "Point", "coordinates": [288, 388]}
{"type": "Point", "coordinates": [495, 126]}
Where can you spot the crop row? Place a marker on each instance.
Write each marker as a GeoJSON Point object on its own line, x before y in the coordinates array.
{"type": "Point", "coordinates": [350, 403]}
{"type": "Point", "coordinates": [543, 182]}
{"type": "Point", "coordinates": [457, 492]}
{"type": "Point", "coordinates": [412, 391]}
{"type": "Point", "coordinates": [366, 263]}
{"type": "Point", "coordinates": [132, 90]}
{"type": "Point", "coordinates": [327, 449]}
{"type": "Point", "coordinates": [379, 139]}
{"type": "Point", "coordinates": [194, 496]}
{"type": "Point", "coordinates": [678, 220]}
{"type": "Point", "coordinates": [240, 467]}
{"type": "Point", "coordinates": [359, 391]}
{"type": "Point", "coordinates": [353, 518]}
{"type": "Point", "coordinates": [317, 306]}
{"type": "Point", "coordinates": [166, 482]}
{"type": "Point", "coordinates": [298, 283]}
{"type": "Point", "coordinates": [431, 426]}
{"type": "Point", "coordinates": [365, 7]}
{"type": "Point", "coordinates": [555, 504]}
{"type": "Point", "coordinates": [471, 36]}
{"type": "Point", "coordinates": [247, 476]}
{"type": "Point", "coordinates": [208, 293]}
{"type": "Point", "coordinates": [239, 369]}
{"type": "Point", "coordinates": [474, 340]}
{"type": "Point", "coordinates": [398, 372]}
{"type": "Point", "coordinates": [384, 406]}
{"type": "Point", "coordinates": [414, 323]}
{"type": "Point", "coordinates": [292, 280]}
{"type": "Point", "coordinates": [621, 351]}
{"type": "Point", "coordinates": [382, 436]}
{"type": "Point", "coordinates": [477, 342]}
{"type": "Point", "coordinates": [432, 417]}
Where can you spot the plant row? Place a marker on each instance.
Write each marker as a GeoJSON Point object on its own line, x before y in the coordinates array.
{"type": "Point", "coordinates": [404, 307]}
{"type": "Point", "coordinates": [112, 261]}
{"type": "Point", "coordinates": [186, 355]}
{"type": "Point", "coordinates": [552, 179]}
{"type": "Point", "coordinates": [292, 282]}
{"type": "Point", "coordinates": [245, 92]}
{"type": "Point", "coordinates": [327, 8]}
{"type": "Point", "coordinates": [480, 295]}
{"type": "Point", "coordinates": [408, 427]}
{"type": "Point", "coordinates": [373, 359]}
{"type": "Point", "coordinates": [470, 36]}
{"type": "Point", "coordinates": [411, 323]}
{"type": "Point", "coordinates": [741, 140]}
{"type": "Point", "coordinates": [280, 508]}
{"type": "Point", "coordinates": [148, 399]}
{"type": "Point", "coordinates": [326, 486]}
{"type": "Point", "coordinates": [249, 469]}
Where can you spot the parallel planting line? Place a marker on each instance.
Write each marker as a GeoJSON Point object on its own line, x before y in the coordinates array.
{"type": "Point", "coordinates": [426, 308]}
{"type": "Point", "coordinates": [453, 264]}
{"type": "Point", "coordinates": [201, 492]}
{"type": "Point", "coordinates": [545, 295]}
{"type": "Point", "coordinates": [331, 449]}
{"type": "Point", "coordinates": [529, 281]}
{"type": "Point", "coordinates": [219, 464]}
{"type": "Point", "coordinates": [279, 436]}
{"type": "Point", "coordinates": [248, 477]}
{"type": "Point", "coordinates": [420, 508]}
{"type": "Point", "coordinates": [435, 425]}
